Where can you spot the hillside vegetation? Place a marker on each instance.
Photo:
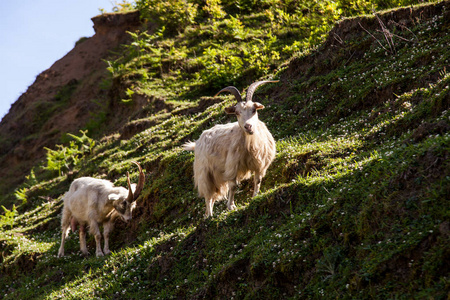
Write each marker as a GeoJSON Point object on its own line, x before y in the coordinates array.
{"type": "Point", "coordinates": [355, 205]}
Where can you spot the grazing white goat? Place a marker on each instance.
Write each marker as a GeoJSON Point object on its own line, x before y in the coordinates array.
{"type": "Point", "coordinates": [92, 202]}
{"type": "Point", "coordinates": [227, 154]}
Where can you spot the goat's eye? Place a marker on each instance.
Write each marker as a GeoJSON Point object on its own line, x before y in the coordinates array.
{"type": "Point", "coordinates": [237, 113]}
{"type": "Point", "coordinates": [124, 203]}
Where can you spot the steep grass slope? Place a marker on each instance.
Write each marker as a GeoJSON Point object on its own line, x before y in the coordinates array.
{"type": "Point", "coordinates": [354, 206]}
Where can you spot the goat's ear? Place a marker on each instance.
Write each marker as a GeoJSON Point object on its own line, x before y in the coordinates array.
{"type": "Point", "coordinates": [231, 110]}
{"type": "Point", "coordinates": [258, 105]}
{"type": "Point", "coordinates": [113, 197]}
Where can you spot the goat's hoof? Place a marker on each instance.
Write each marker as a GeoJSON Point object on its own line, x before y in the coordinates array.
{"type": "Point", "coordinates": [106, 252]}
{"type": "Point", "coordinates": [232, 207]}
{"type": "Point", "coordinates": [99, 254]}
{"type": "Point", "coordinates": [60, 254]}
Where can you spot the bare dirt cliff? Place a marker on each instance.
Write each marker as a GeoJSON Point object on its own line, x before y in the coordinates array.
{"type": "Point", "coordinates": [62, 99]}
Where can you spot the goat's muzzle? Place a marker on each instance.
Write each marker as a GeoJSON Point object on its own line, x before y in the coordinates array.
{"type": "Point", "coordinates": [248, 128]}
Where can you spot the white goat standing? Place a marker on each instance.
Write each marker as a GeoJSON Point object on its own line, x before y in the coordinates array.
{"type": "Point", "coordinates": [227, 154]}
{"type": "Point", "coordinates": [91, 201]}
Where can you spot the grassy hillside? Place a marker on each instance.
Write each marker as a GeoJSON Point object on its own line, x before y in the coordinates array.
{"type": "Point", "coordinates": [355, 204]}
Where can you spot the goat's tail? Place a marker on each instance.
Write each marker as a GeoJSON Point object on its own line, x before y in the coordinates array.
{"type": "Point", "coordinates": [189, 146]}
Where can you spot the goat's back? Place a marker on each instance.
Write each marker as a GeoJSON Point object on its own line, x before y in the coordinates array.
{"type": "Point", "coordinates": [88, 197]}
{"type": "Point", "coordinates": [219, 140]}
{"type": "Point", "coordinates": [85, 184]}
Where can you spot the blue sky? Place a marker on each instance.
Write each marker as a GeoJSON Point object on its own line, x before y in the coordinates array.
{"type": "Point", "coordinates": [36, 33]}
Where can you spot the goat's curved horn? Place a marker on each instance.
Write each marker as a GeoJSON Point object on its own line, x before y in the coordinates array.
{"type": "Point", "coordinates": [141, 181]}
{"type": "Point", "coordinates": [232, 90]}
{"type": "Point", "coordinates": [253, 86]}
{"type": "Point", "coordinates": [130, 191]}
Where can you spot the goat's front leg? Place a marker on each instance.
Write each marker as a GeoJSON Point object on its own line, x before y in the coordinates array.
{"type": "Point", "coordinates": [209, 207]}
{"type": "Point", "coordinates": [232, 186]}
{"type": "Point", "coordinates": [107, 228]}
{"type": "Point", "coordinates": [257, 183]}
{"type": "Point", "coordinates": [95, 230]}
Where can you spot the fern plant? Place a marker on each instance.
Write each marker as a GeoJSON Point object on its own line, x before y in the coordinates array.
{"type": "Point", "coordinates": [8, 218]}
{"type": "Point", "coordinates": [69, 157]}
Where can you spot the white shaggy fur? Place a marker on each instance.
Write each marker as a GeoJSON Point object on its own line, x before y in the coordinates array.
{"type": "Point", "coordinates": [93, 202]}
{"type": "Point", "coordinates": [227, 154]}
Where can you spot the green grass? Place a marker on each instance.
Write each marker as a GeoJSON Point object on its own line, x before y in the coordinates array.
{"type": "Point", "coordinates": [353, 207]}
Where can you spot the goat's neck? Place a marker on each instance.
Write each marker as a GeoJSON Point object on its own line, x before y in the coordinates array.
{"type": "Point", "coordinates": [256, 142]}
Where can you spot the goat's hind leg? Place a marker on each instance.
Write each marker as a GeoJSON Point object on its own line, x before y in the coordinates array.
{"type": "Point", "coordinates": [65, 227]}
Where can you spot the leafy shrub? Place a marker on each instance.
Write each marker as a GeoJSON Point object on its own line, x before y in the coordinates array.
{"type": "Point", "coordinates": [214, 9]}
{"type": "Point", "coordinates": [21, 194]}
{"type": "Point", "coordinates": [175, 15]}
{"type": "Point", "coordinates": [220, 66]}
{"type": "Point", "coordinates": [246, 6]}
{"type": "Point", "coordinates": [68, 157]}
{"type": "Point", "coordinates": [8, 218]}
